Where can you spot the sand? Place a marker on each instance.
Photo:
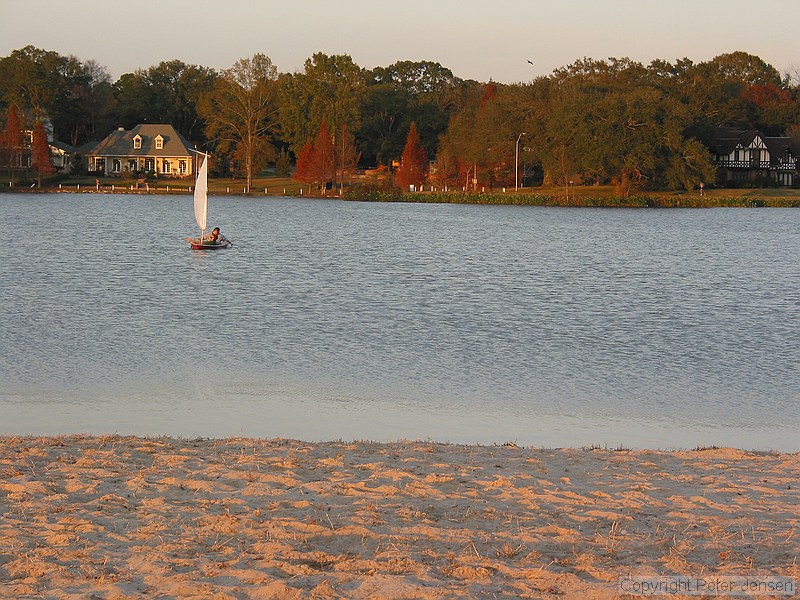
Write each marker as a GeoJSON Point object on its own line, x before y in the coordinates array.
{"type": "Point", "coordinates": [130, 517]}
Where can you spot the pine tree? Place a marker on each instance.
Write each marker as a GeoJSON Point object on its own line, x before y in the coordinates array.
{"type": "Point", "coordinates": [41, 155]}
{"type": "Point", "coordinates": [414, 163]}
{"type": "Point", "coordinates": [283, 164]}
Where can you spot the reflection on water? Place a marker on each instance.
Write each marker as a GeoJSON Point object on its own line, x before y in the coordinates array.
{"type": "Point", "coordinates": [544, 326]}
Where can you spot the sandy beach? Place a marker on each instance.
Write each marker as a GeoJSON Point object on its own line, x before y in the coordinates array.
{"type": "Point", "coordinates": [131, 517]}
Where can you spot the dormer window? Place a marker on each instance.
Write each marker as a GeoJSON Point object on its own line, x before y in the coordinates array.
{"type": "Point", "coordinates": [137, 142]}
{"type": "Point", "coordinates": [159, 142]}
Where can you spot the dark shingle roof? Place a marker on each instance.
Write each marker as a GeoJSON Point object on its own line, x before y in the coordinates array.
{"type": "Point", "coordinates": [777, 146]}
{"type": "Point", "coordinates": [120, 142]}
{"type": "Point", "coordinates": [727, 139]}
{"type": "Point", "coordinates": [63, 147]}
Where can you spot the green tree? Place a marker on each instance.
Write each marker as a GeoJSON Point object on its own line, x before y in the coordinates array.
{"type": "Point", "coordinates": [346, 156]}
{"type": "Point", "coordinates": [166, 93]}
{"type": "Point", "coordinates": [97, 101]}
{"type": "Point", "coordinates": [283, 164]}
{"type": "Point", "coordinates": [480, 142]}
{"type": "Point", "coordinates": [617, 121]}
{"type": "Point", "coordinates": [794, 133]}
{"type": "Point", "coordinates": [176, 90]}
{"type": "Point", "coordinates": [241, 112]}
{"type": "Point", "coordinates": [422, 92]}
{"type": "Point", "coordinates": [718, 89]}
{"type": "Point", "coordinates": [331, 88]}
{"type": "Point", "coordinates": [553, 118]}
{"type": "Point", "coordinates": [74, 97]}
{"type": "Point", "coordinates": [30, 79]}
{"type": "Point", "coordinates": [43, 84]}
{"type": "Point", "coordinates": [133, 100]}
{"type": "Point", "coordinates": [381, 134]}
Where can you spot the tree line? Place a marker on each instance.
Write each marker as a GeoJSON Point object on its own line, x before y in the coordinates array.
{"type": "Point", "coordinates": [595, 121]}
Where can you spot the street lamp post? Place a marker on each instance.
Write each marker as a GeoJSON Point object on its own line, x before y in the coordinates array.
{"type": "Point", "coordinates": [516, 163]}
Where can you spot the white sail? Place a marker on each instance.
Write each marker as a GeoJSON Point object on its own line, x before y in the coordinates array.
{"type": "Point", "coordinates": [201, 194]}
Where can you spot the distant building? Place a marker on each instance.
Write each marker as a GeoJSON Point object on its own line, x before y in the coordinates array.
{"type": "Point", "coordinates": [157, 149]}
{"type": "Point", "coordinates": [62, 153]}
{"type": "Point", "coordinates": [744, 156]}
{"type": "Point", "coordinates": [62, 156]}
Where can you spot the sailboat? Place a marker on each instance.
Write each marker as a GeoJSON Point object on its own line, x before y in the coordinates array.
{"type": "Point", "coordinates": [201, 210]}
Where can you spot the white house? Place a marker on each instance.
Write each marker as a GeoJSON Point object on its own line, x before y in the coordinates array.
{"type": "Point", "coordinates": [156, 148]}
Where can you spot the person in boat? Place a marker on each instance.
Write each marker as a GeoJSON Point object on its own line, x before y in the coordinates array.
{"type": "Point", "coordinates": [215, 237]}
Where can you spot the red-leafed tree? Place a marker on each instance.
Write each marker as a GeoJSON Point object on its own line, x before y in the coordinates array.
{"type": "Point", "coordinates": [5, 151]}
{"type": "Point", "coordinates": [316, 163]}
{"type": "Point", "coordinates": [41, 156]}
{"type": "Point", "coordinates": [302, 169]}
{"type": "Point", "coordinates": [324, 163]}
{"type": "Point", "coordinates": [414, 163]}
{"type": "Point", "coordinates": [12, 142]}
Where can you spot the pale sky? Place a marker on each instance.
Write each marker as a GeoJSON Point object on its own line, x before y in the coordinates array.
{"type": "Point", "coordinates": [481, 40]}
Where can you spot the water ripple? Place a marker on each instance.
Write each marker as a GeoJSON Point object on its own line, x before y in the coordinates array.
{"type": "Point", "coordinates": [452, 322]}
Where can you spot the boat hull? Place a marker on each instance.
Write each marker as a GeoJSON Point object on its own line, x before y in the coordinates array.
{"type": "Point", "coordinates": [197, 246]}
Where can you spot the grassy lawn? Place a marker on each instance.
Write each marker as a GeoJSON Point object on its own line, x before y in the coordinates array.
{"type": "Point", "coordinates": [554, 195]}
{"type": "Point", "coordinates": [272, 185]}
{"type": "Point", "coordinates": [607, 191]}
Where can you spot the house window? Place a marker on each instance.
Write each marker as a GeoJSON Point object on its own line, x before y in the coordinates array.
{"type": "Point", "coordinates": [740, 175]}
{"type": "Point", "coordinates": [116, 165]}
{"type": "Point", "coordinates": [100, 164]}
{"type": "Point", "coordinates": [132, 164]}
{"type": "Point", "coordinates": [182, 167]}
{"type": "Point", "coordinates": [149, 164]}
{"type": "Point", "coordinates": [137, 142]}
{"type": "Point", "coordinates": [167, 166]}
{"type": "Point", "coordinates": [159, 143]}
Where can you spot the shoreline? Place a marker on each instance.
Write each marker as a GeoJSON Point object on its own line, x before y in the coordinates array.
{"type": "Point", "coordinates": [528, 197]}
{"type": "Point", "coordinates": [123, 516]}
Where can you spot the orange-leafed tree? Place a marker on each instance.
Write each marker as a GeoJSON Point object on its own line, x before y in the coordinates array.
{"type": "Point", "coordinates": [316, 163]}
{"type": "Point", "coordinates": [323, 163]}
{"type": "Point", "coordinates": [302, 167]}
{"type": "Point", "coordinates": [414, 163]}
{"type": "Point", "coordinates": [42, 158]}
{"type": "Point", "coordinates": [5, 151]}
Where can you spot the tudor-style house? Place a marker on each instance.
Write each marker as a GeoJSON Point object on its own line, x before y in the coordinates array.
{"type": "Point", "coordinates": [147, 148]}
{"type": "Point", "coordinates": [746, 156]}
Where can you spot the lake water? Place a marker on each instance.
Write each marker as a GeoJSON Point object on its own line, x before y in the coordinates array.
{"type": "Point", "coordinates": [336, 320]}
